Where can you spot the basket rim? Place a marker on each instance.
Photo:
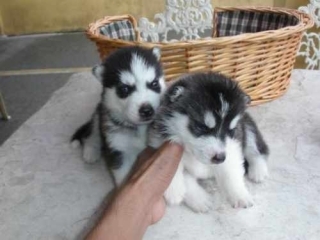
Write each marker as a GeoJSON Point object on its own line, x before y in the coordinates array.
{"type": "Point", "coordinates": [305, 22]}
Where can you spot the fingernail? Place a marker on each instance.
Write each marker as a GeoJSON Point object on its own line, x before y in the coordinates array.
{"type": "Point", "coordinates": [174, 147]}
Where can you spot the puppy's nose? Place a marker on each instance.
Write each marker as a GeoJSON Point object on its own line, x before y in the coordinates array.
{"type": "Point", "coordinates": [146, 111]}
{"type": "Point", "coordinates": [218, 158]}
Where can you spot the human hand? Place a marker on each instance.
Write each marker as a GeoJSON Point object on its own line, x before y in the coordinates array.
{"type": "Point", "coordinates": [139, 202]}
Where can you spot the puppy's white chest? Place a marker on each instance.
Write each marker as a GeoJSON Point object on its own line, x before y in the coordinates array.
{"type": "Point", "coordinates": [139, 139]}
{"type": "Point", "coordinates": [131, 142]}
{"type": "Point", "coordinates": [196, 168]}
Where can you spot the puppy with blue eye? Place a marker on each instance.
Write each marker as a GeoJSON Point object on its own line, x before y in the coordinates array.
{"type": "Point", "coordinates": [206, 114]}
{"type": "Point", "coordinates": [133, 83]}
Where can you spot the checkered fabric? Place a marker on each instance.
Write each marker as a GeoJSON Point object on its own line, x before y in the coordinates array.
{"type": "Point", "coordinates": [231, 23]}
{"type": "Point", "coordinates": [119, 30]}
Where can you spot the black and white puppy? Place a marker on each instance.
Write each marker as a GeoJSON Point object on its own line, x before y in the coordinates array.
{"type": "Point", "coordinates": [133, 83]}
{"type": "Point", "coordinates": [205, 112]}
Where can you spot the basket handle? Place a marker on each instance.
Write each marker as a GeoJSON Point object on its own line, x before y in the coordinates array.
{"type": "Point", "coordinates": [93, 29]}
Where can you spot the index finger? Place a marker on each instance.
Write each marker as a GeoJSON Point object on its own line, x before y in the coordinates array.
{"type": "Point", "coordinates": [167, 159]}
{"type": "Point", "coordinates": [143, 162]}
{"type": "Point", "coordinates": [158, 175]}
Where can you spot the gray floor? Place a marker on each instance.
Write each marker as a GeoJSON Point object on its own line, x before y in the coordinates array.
{"type": "Point", "coordinates": [47, 192]}
{"type": "Point", "coordinates": [24, 95]}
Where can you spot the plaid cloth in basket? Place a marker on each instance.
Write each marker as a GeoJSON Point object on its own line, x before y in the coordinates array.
{"type": "Point", "coordinates": [231, 23]}
{"type": "Point", "coordinates": [119, 30]}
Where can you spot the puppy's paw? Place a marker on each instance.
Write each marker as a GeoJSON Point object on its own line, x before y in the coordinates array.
{"type": "Point", "coordinates": [258, 171]}
{"type": "Point", "coordinates": [175, 195]}
{"type": "Point", "coordinates": [241, 200]}
{"type": "Point", "coordinates": [91, 154]}
{"type": "Point", "coordinates": [199, 201]}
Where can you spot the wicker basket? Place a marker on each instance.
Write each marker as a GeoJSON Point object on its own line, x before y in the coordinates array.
{"type": "Point", "coordinates": [261, 62]}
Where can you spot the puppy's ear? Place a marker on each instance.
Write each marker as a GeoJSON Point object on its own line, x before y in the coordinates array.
{"type": "Point", "coordinates": [98, 71]}
{"type": "Point", "coordinates": [157, 52]}
{"type": "Point", "coordinates": [247, 99]}
{"type": "Point", "coordinates": [176, 93]}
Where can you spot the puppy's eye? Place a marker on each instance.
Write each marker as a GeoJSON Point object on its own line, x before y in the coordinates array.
{"type": "Point", "coordinates": [124, 90]}
{"type": "Point", "coordinates": [200, 128]}
{"type": "Point", "coordinates": [231, 133]}
{"type": "Point", "coordinates": [154, 84]}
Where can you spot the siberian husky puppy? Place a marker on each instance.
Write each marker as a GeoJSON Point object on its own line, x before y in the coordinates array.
{"type": "Point", "coordinates": [133, 83]}
{"type": "Point", "coordinates": [206, 114]}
